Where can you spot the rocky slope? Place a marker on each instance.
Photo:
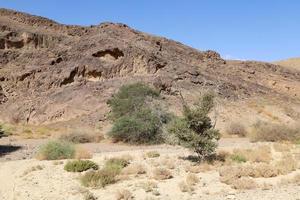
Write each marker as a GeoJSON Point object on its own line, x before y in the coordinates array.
{"type": "Point", "coordinates": [52, 73]}
{"type": "Point", "coordinates": [293, 63]}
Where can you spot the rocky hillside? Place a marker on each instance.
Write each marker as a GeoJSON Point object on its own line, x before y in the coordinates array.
{"type": "Point", "coordinates": [293, 63]}
{"type": "Point", "coordinates": [50, 72]}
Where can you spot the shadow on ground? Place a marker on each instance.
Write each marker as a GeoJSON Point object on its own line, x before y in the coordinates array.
{"type": "Point", "coordinates": [6, 149]}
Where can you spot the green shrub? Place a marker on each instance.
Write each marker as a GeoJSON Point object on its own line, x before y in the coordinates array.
{"type": "Point", "coordinates": [116, 164]}
{"type": "Point", "coordinates": [56, 150]}
{"type": "Point", "coordinates": [140, 127]}
{"type": "Point", "coordinates": [271, 132]}
{"type": "Point", "coordinates": [129, 99]}
{"type": "Point", "coordinates": [195, 130]}
{"type": "Point", "coordinates": [99, 178]}
{"type": "Point", "coordinates": [80, 165]}
{"type": "Point", "coordinates": [137, 118]}
{"type": "Point", "coordinates": [238, 158]}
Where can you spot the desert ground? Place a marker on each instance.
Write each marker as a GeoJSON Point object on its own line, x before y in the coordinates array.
{"type": "Point", "coordinates": [109, 112]}
{"type": "Point", "coordinates": [24, 177]}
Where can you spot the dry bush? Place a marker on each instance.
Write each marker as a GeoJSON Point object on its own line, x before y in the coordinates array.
{"type": "Point", "coordinates": [82, 136]}
{"type": "Point", "coordinates": [148, 186]}
{"type": "Point", "coordinates": [89, 196]}
{"type": "Point", "coordinates": [191, 179]}
{"type": "Point", "coordinates": [161, 174]}
{"type": "Point", "coordinates": [204, 167]}
{"type": "Point", "coordinates": [260, 154]}
{"type": "Point", "coordinates": [280, 147]}
{"type": "Point", "coordinates": [287, 164]}
{"type": "Point", "coordinates": [244, 183]}
{"type": "Point", "coordinates": [230, 173]}
{"type": "Point", "coordinates": [133, 169]}
{"type": "Point", "coordinates": [184, 187]}
{"type": "Point", "coordinates": [168, 163]}
{"type": "Point", "coordinates": [82, 153]}
{"type": "Point", "coordinates": [271, 132]}
{"type": "Point", "coordinates": [123, 195]}
{"type": "Point", "coordinates": [236, 128]}
{"type": "Point", "coordinates": [152, 154]}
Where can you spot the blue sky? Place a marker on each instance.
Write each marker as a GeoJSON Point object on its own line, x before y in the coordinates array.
{"type": "Point", "coordinates": [265, 30]}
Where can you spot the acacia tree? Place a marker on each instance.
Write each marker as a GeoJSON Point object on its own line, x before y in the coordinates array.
{"type": "Point", "coordinates": [195, 129]}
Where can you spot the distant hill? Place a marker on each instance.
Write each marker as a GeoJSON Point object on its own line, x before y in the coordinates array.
{"type": "Point", "coordinates": [293, 63]}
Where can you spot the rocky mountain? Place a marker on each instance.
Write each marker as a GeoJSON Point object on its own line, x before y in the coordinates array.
{"type": "Point", "coordinates": [55, 73]}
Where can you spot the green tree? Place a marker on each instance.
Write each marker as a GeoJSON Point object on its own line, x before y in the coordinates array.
{"type": "Point", "coordinates": [195, 130]}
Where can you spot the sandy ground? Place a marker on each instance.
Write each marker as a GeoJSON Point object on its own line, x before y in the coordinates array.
{"type": "Point", "coordinates": [19, 181]}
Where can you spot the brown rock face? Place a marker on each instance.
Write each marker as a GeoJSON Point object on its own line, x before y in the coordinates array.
{"type": "Point", "coordinates": [53, 72]}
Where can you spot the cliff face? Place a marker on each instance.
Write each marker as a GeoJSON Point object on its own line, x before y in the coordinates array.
{"type": "Point", "coordinates": [51, 72]}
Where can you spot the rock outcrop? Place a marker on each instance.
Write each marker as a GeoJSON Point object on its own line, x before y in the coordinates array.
{"type": "Point", "coordinates": [61, 73]}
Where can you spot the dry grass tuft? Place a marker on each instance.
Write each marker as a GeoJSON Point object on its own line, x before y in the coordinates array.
{"type": "Point", "coordinates": [161, 174]}
{"type": "Point", "coordinates": [272, 132]}
{"type": "Point", "coordinates": [152, 154]}
{"type": "Point", "coordinates": [124, 195]}
{"type": "Point", "coordinates": [244, 183]}
{"type": "Point", "coordinates": [82, 153]}
{"type": "Point", "coordinates": [204, 167]}
{"type": "Point", "coordinates": [236, 128]}
{"type": "Point", "coordinates": [260, 154]}
{"type": "Point", "coordinates": [192, 179]}
{"type": "Point", "coordinates": [287, 164]}
{"type": "Point", "coordinates": [168, 163]}
{"type": "Point", "coordinates": [133, 169]}
{"type": "Point", "coordinates": [149, 186]}
{"type": "Point", "coordinates": [185, 187]}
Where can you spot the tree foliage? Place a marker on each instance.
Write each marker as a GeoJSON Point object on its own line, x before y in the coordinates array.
{"type": "Point", "coordinates": [195, 130]}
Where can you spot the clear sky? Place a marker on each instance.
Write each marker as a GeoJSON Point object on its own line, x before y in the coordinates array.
{"type": "Point", "coordinates": [265, 30]}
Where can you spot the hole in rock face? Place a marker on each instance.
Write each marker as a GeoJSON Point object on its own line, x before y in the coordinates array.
{"type": "Point", "coordinates": [109, 54]}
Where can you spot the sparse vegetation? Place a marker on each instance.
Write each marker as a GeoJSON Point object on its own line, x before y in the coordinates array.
{"type": "Point", "coordinates": [124, 195]}
{"type": "Point", "coordinates": [161, 174]}
{"type": "Point", "coordinates": [259, 154]}
{"type": "Point", "coordinates": [116, 164]}
{"type": "Point", "coordinates": [148, 186]}
{"type": "Point", "coordinates": [195, 130]}
{"type": "Point", "coordinates": [56, 150]}
{"type": "Point", "coordinates": [152, 154]}
{"type": "Point", "coordinates": [80, 165]}
{"type": "Point", "coordinates": [271, 132]}
{"type": "Point", "coordinates": [238, 158]}
{"type": "Point", "coordinates": [82, 153]}
{"type": "Point", "coordinates": [134, 169]}
{"type": "Point", "coordinates": [236, 128]}
{"type": "Point", "coordinates": [76, 137]}
{"type": "Point", "coordinates": [99, 178]}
